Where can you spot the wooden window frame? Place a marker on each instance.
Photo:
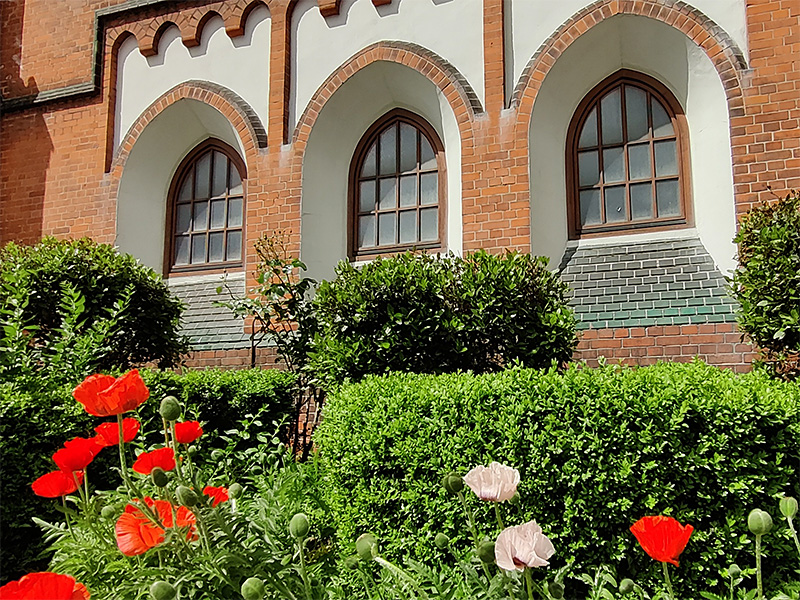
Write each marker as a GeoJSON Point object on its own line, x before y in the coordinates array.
{"type": "Point", "coordinates": [188, 162]}
{"type": "Point", "coordinates": [678, 118]}
{"type": "Point", "coordinates": [372, 134]}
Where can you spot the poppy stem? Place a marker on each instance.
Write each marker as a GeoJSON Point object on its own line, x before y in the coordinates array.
{"type": "Point", "coordinates": [474, 531]}
{"type": "Point", "coordinates": [669, 583]}
{"type": "Point", "coordinates": [529, 582]}
{"type": "Point", "coordinates": [794, 534]}
{"type": "Point", "coordinates": [121, 444]}
{"type": "Point", "coordinates": [66, 513]}
{"type": "Point", "coordinates": [499, 517]}
{"type": "Point", "coordinates": [303, 573]}
{"type": "Point", "coordinates": [178, 469]}
{"type": "Point", "coordinates": [366, 583]}
{"type": "Point", "coordinates": [758, 568]}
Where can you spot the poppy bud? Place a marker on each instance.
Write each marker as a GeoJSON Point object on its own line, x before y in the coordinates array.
{"type": "Point", "coordinates": [441, 541]}
{"type": "Point", "coordinates": [186, 496]}
{"type": "Point", "coordinates": [556, 589]}
{"type": "Point", "coordinates": [486, 552]}
{"type": "Point", "coordinates": [161, 590]}
{"type": "Point", "coordinates": [367, 546]}
{"type": "Point", "coordinates": [253, 589]}
{"type": "Point", "coordinates": [453, 483]}
{"type": "Point", "coordinates": [170, 410]}
{"type": "Point", "coordinates": [191, 450]}
{"type": "Point", "coordinates": [626, 586]}
{"type": "Point", "coordinates": [235, 490]}
{"type": "Point", "coordinates": [734, 571]}
{"type": "Point", "coordinates": [788, 507]}
{"type": "Point", "coordinates": [515, 499]}
{"type": "Point", "coordinates": [759, 522]}
{"type": "Point", "coordinates": [351, 562]}
{"type": "Point", "coordinates": [298, 526]}
{"type": "Point", "coordinates": [159, 477]}
{"type": "Point", "coordinates": [108, 512]}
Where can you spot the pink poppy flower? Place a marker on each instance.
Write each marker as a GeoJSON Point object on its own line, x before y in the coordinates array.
{"type": "Point", "coordinates": [495, 483]}
{"type": "Point", "coordinates": [522, 546]}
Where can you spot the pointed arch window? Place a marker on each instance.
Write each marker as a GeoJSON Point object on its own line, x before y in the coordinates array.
{"type": "Point", "coordinates": [206, 217]}
{"type": "Point", "coordinates": [397, 187]}
{"type": "Point", "coordinates": [627, 158]}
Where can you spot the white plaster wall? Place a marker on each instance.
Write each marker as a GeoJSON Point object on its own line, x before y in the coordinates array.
{"type": "Point", "coordinates": [666, 54]}
{"type": "Point", "coordinates": [240, 64]}
{"type": "Point", "coordinates": [453, 29]}
{"type": "Point", "coordinates": [533, 21]}
{"type": "Point", "coordinates": [365, 97]}
{"type": "Point", "coordinates": [151, 165]}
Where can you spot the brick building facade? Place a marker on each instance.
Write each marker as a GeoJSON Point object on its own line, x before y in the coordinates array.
{"type": "Point", "coordinates": [620, 138]}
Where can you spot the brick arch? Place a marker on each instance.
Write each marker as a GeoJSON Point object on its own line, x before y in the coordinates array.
{"type": "Point", "coordinates": [456, 89]}
{"type": "Point", "coordinates": [193, 31]}
{"type": "Point", "coordinates": [236, 21]}
{"type": "Point", "coordinates": [723, 52]}
{"type": "Point", "coordinates": [148, 42]}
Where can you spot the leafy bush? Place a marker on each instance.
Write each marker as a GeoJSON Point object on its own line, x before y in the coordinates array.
{"type": "Point", "coordinates": [427, 314]}
{"type": "Point", "coordinates": [597, 449]}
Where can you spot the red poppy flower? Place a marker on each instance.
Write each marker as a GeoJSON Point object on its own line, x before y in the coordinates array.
{"type": "Point", "coordinates": [108, 433]}
{"type": "Point", "coordinates": [136, 534]}
{"type": "Point", "coordinates": [663, 538]}
{"type": "Point", "coordinates": [187, 432]}
{"type": "Point", "coordinates": [147, 461]}
{"type": "Point", "coordinates": [219, 494]}
{"type": "Point", "coordinates": [76, 454]}
{"type": "Point", "coordinates": [104, 396]}
{"type": "Point", "coordinates": [55, 484]}
{"type": "Point", "coordinates": [44, 586]}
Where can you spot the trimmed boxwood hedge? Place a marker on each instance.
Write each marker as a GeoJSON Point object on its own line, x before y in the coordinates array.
{"type": "Point", "coordinates": [597, 449]}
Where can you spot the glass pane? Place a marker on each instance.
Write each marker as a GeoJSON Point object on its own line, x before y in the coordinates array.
{"type": "Point", "coordinates": [235, 212]}
{"type": "Point", "coordinates": [588, 135]}
{"type": "Point", "coordinates": [429, 224]}
{"type": "Point", "coordinates": [366, 198]}
{"type": "Point", "coordinates": [183, 218]}
{"type": "Point", "coordinates": [200, 222]}
{"type": "Point", "coordinates": [215, 247]}
{"type": "Point", "coordinates": [234, 246]}
{"type": "Point", "coordinates": [235, 183]}
{"type": "Point", "coordinates": [182, 250]}
{"type": "Point", "coordinates": [667, 198]}
{"type": "Point", "coordinates": [203, 174]}
{"type": "Point", "coordinates": [642, 201]}
{"type": "Point", "coordinates": [666, 159]}
{"type": "Point", "coordinates": [217, 214]}
{"type": "Point", "coordinates": [198, 249]}
{"type": "Point", "coordinates": [662, 124]}
{"type": "Point", "coordinates": [428, 158]}
{"type": "Point", "coordinates": [388, 193]}
{"type": "Point", "coordinates": [588, 168]}
{"type": "Point", "coordinates": [429, 188]}
{"type": "Point", "coordinates": [408, 226]}
{"type": "Point", "coordinates": [220, 179]}
{"type": "Point", "coordinates": [186, 190]}
{"type": "Point", "coordinates": [366, 232]}
{"type": "Point", "coordinates": [408, 148]}
{"type": "Point", "coordinates": [611, 118]}
{"type": "Point", "coordinates": [616, 210]}
{"type": "Point", "coordinates": [636, 113]}
{"type": "Point", "coordinates": [613, 165]}
{"type": "Point", "coordinates": [368, 170]}
{"type": "Point", "coordinates": [408, 190]}
{"type": "Point", "coordinates": [590, 207]}
{"type": "Point", "coordinates": [388, 142]}
{"type": "Point", "coordinates": [387, 229]}
{"type": "Point", "coordinates": [639, 161]}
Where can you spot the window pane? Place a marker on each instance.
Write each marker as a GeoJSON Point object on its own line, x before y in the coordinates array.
{"type": "Point", "coordinates": [408, 226]}
{"type": "Point", "coordinates": [662, 124]}
{"type": "Point", "coordinates": [366, 198]}
{"type": "Point", "coordinates": [186, 189]}
{"type": "Point", "coordinates": [182, 250]}
{"type": "Point", "coordinates": [203, 173]}
{"type": "Point", "coordinates": [198, 249]}
{"type": "Point", "coordinates": [588, 168]}
{"type": "Point", "coordinates": [590, 207]}
{"type": "Point", "coordinates": [408, 190]}
{"type": "Point", "coordinates": [215, 247]}
{"type": "Point", "coordinates": [429, 188]}
{"type": "Point", "coordinates": [666, 158]}
{"type": "Point", "coordinates": [368, 170]}
{"type": "Point", "coordinates": [235, 183]}
{"type": "Point", "coordinates": [220, 178]}
{"type": "Point", "coordinates": [611, 113]}
{"type": "Point", "coordinates": [613, 165]}
{"type": "Point", "coordinates": [667, 198]}
{"type": "Point", "coordinates": [366, 231]}
{"type": "Point", "coordinates": [588, 135]}
{"type": "Point", "coordinates": [200, 221]}
{"type": "Point", "coordinates": [429, 224]}
{"type": "Point", "coordinates": [388, 141]}
{"type": "Point", "coordinates": [642, 201]}
{"type": "Point", "coordinates": [428, 158]}
{"type": "Point", "coordinates": [408, 148]}
{"type": "Point", "coordinates": [235, 212]}
{"type": "Point", "coordinates": [217, 214]}
{"type": "Point", "coordinates": [234, 246]}
{"type": "Point", "coordinates": [639, 161]}
{"type": "Point", "coordinates": [616, 210]}
{"type": "Point", "coordinates": [388, 194]}
{"type": "Point", "coordinates": [183, 218]}
{"type": "Point", "coordinates": [387, 229]}
{"type": "Point", "coordinates": [636, 113]}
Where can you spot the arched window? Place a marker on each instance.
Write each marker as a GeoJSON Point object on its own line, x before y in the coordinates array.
{"type": "Point", "coordinates": [627, 158]}
{"type": "Point", "coordinates": [397, 187]}
{"type": "Point", "coordinates": [206, 216]}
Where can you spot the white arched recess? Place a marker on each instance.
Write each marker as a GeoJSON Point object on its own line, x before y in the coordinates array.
{"type": "Point", "coordinates": [366, 96]}
{"type": "Point", "coordinates": [658, 50]}
{"type": "Point", "coordinates": [149, 169]}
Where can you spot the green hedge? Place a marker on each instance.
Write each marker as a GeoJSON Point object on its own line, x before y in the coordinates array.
{"type": "Point", "coordinates": [596, 448]}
